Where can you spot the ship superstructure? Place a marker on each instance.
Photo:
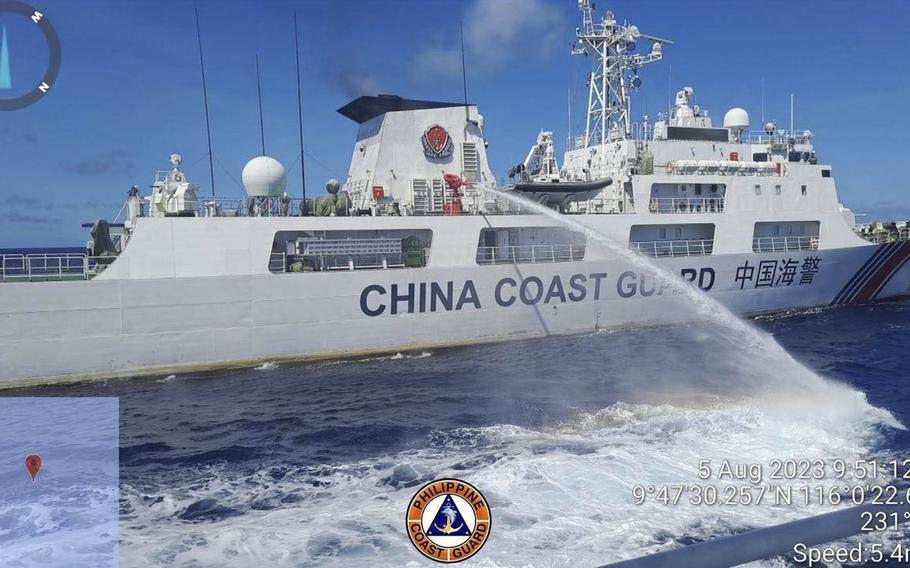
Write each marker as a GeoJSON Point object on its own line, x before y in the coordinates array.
{"type": "Point", "coordinates": [417, 247]}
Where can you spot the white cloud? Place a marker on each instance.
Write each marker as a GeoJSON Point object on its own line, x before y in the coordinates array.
{"type": "Point", "coordinates": [496, 33]}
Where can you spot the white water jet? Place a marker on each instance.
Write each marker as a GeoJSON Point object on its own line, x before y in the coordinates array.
{"type": "Point", "coordinates": [792, 387]}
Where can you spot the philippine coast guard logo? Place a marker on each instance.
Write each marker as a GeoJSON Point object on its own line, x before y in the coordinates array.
{"type": "Point", "coordinates": [437, 143]}
{"type": "Point", "coordinates": [448, 520]}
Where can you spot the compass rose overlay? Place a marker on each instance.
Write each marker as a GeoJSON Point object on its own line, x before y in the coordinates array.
{"type": "Point", "coordinates": [40, 23]}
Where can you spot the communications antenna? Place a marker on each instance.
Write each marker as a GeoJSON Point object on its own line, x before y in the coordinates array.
{"type": "Point", "coordinates": [205, 99]}
{"type": "Point", "coordinates": [614, 72]}
{"type": "Point", "coordinates": [259, 92]}
{"type": "Point", "coordinates": [303, 210]}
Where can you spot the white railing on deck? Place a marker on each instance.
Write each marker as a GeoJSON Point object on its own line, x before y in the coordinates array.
{"type": "Point", "coordinates": [530, 254]}
{"type": "Point", "coordinates": [779, 137]}
{"type": "Point", "coordinates": [686, 205]}
{"type": "Point", "coordinates": [279, 207]}
{"type": "Point", "coordinates": [281, 262]}
{"type": "Point", "coordinates": [43, 267]}
{"type": "Point", "coordinates": [690, 247]}
{"type": "Point", "coordinates": [601, 206]}
{"type": "Point", "coordinates": [784, 244]}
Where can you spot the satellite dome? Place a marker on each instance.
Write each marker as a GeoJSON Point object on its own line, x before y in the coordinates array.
{"type": "Point", "coordinates": [264, 177]}
{"type": "Point", "coordinates": [736, 119]}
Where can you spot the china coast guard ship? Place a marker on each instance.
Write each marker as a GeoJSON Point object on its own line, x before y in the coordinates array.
{"type": "Point", "coordinates": [416, 248]}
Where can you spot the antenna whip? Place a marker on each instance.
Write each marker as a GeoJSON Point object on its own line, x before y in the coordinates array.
{"type": "Point", "coordinates": [259, 91]}
{"type": "Point", "coordinates": [300, 122]}
{"type": "Point", "coordinates": [464, 73]}
{"type": "Point", "coordinates": [205, 100]}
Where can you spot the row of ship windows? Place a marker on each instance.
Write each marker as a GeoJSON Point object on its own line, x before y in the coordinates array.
{"type": "Point", "coordinates": [710, 190]}
{"type": "Point", "coordinates": [434, 196]}
{"type": "Point", "coordinates": [322, 251]}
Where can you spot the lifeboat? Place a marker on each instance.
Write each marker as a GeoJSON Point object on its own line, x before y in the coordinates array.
{"type": "Point", "coordinates": [561, 187]}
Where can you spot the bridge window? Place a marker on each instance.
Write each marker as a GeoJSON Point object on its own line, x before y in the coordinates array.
{"type": "Point", "coordinates": [322, 251]}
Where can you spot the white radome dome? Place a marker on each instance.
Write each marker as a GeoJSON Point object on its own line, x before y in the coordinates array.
{"type": "Point", "coordinates": [264, 177]}
{"type": "Point", "coordinates": [736, 119]}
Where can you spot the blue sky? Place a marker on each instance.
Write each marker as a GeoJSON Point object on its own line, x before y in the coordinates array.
{"type": "Point", "coordinates": [129, 91]}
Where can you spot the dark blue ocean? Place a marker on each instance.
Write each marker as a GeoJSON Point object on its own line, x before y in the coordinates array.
{"type": "Point", "coordinates": [312, 464]}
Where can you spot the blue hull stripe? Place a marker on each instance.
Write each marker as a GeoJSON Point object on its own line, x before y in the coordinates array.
{"type": "Point", "coordinates": [860, 275]}
{"type": "Point", "coordinates": [890, 275]}
{"type": "Point", "coordinates": [866, 272]}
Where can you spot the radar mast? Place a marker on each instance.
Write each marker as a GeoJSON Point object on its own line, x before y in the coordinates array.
{"type": "Point", "coordinates": [614, 72]}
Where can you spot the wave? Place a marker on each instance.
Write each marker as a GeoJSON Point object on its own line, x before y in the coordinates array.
{"type": "Point", "coordinates": [563, 492]}
{"type": "Point", "coordinates": [399, 356]}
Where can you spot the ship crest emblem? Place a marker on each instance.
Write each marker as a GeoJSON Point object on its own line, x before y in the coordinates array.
{"type": "Point", "coordinates": [437, 143]}
{"type": "Point", "coordinates": [448, 520]}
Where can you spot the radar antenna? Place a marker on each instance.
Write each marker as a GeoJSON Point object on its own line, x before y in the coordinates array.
{"type": "Point", "coordinates": [614, 72]}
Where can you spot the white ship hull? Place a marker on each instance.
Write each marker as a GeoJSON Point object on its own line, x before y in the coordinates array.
{"type": "Point", "coordinates": [119, 326]}
{"type": "Point", "coordinates": [195, 285]}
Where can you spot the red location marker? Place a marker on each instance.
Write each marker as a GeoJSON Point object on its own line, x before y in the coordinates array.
{"type": "Point", "coordinates": [33, 465]}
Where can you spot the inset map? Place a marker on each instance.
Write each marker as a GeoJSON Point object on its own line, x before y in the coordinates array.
{"type": "Point", "coordinates": [68, 514]}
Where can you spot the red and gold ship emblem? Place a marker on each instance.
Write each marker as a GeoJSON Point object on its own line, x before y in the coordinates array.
{"type": "Point", "coordinates": [437, 143]}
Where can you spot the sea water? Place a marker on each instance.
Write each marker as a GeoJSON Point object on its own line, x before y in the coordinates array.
{"type": "Point", "coordinates": [313, 464]}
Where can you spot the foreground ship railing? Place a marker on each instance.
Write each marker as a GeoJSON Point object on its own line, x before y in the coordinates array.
{"type": "Point", "coordinates": [46, 267]}
{"type": "Point", "coordinates": [783, 539]}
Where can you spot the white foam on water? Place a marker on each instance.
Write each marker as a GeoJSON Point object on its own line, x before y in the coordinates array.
{"type": "Point", "coordinates": [793, 313]}
{"type": "Point", "coordinates": [267, 366]}
{"type": "Point", "coordinates": [785, 380]}
{"type": "Point", "coordinates": [560, 497]}
{"type": "Point", "coordinates": [394, 357]}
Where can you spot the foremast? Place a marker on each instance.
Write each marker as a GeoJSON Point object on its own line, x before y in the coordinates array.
{"type": "Point", "coordinates": [614, 73]}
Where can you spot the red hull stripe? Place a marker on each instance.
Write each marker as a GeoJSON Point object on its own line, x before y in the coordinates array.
{"type": "Point", "coordinates": [878, 257]}
{"type": "Point", "coordinates": [886, 271]}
